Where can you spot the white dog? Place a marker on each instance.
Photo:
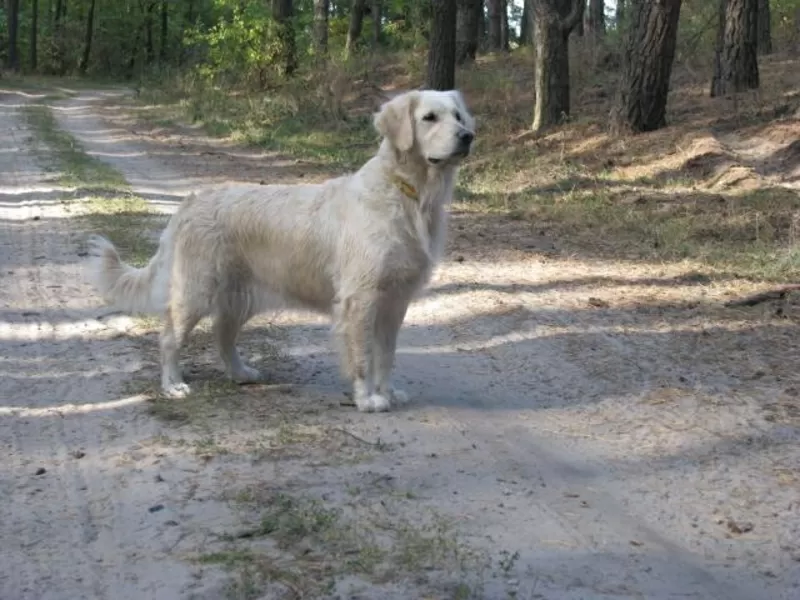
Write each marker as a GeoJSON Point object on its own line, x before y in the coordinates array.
{"type": "Point", "coordinates": [357, 247]}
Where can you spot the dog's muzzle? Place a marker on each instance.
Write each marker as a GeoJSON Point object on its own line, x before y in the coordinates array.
{"type": "Point", "coordinates": [464, 142]}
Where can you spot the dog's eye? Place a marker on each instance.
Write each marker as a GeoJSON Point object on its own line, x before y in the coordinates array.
{"type": "Point", "coordinates": [431, 117]}
{"type": "Point", "coordinates": [458, 116]}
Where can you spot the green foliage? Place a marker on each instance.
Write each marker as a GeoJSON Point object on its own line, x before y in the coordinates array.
{"type": "Point", "coordinates": [240, 47]}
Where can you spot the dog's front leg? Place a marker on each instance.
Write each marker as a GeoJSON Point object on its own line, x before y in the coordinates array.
{"type": "Point", "coordinates": [391, 312]}
{"type": "Point", "coordinates": [354, 323]}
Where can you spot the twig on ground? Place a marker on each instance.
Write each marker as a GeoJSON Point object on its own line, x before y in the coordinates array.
{"type": "Point", "coordinates": [778, 294]}
{"type": "Point", "coordinates": [379, 443]}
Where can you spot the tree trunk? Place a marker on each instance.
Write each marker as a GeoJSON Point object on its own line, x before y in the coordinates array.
{"type": "Point", "coordinates": [483, 27]}
{"type": "Point", "coordinates": [134, 53]}
{"type": "Point", "coordinates": [356, 24]}
{"type": "Point", "coordinates": [596, 21]}
{"type": "Point", "coordinates": [796, 33]}
{"type": "Point", "coordinates": [149, 52]}
{"type": "Point", "coordinates": [468, 17]}
{"type": "Point", "coordinates": [87, 43]}
{"type": "Point", "coordinates": [526, 24]}
{"type": "Point", "coordinates": [442, 48]}
{"type": "Point", "coordinates": [495, 24]}
{"type": "Point", "coordinates": [12, 20]}
{"type": "Point", "coordinates": [189, 17]}
{"type": "Point", "coordinates": [282, 13]}
{"type": "Point", "coordinates": [377, 22]}
{"type": "Point", "coordinates": [555, 20]}
{"type": "Point", "coordinates": [736, 57]}
{"type": "Point", "coordinates": [321, 11]}
{"type": "Point", "coordinates": [34, 34]}
{"type": "Point", "coordinates": [647, 64]}
{"type": "Point", "coordinates": [504, 35]}
{"type": "Point", "coordinates": [619, 14]}
{"type": "Point", "coordinates": [764, 27]}
{"type": "Point", "coordinates": [162, 46]}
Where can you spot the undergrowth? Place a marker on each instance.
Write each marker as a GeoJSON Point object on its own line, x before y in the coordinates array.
{"type": "Point", "coordinates": [653, 197]}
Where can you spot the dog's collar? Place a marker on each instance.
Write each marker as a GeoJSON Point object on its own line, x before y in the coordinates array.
{"type": "Point", "coordinates": [405, 187]}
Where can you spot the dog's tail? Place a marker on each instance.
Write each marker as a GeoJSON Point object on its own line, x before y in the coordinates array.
{"type": "Point", "coordinates": [125, 287]}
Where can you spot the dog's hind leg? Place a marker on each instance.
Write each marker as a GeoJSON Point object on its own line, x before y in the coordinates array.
{"type": "Point", "coordinates": [226, 329]}
{"type": "Point", "coordinates": [177, 326]}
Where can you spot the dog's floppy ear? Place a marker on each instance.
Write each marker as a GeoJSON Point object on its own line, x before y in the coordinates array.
{"type": "Point", "coordinates": [394, 120]}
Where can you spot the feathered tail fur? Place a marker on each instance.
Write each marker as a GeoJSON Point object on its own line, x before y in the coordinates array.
{"type": "Point", "coordinates": [125, 287]}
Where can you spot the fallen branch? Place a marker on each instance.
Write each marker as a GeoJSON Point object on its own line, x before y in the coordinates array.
{"type": "Point", "coordinates": [755, 299]}
{"type": "Point", "coordinates": [377, 444]}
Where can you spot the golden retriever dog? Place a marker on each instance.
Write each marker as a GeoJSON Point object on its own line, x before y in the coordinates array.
{"type": "Point", "coordinates": [357, 248]}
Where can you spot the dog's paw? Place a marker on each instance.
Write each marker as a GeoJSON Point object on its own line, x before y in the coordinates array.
{"type": "Point", "coordinates": [373, 403]}
{"type": "Point", "coordinates": [176, 390]}
{"type": "Point", "coordinates": [246, 375]}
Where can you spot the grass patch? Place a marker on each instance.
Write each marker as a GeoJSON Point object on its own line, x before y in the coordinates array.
{"type": "Point", "coordinates": [66, 156]}
{"type": "Point", "coordinates": [753, 235]}
{"type": "Point", "coordinates": [303, 118]}
{"type": "Point", "coordinates": [311, 547]}
{"type": "Point", "coordinates": [128, 221]}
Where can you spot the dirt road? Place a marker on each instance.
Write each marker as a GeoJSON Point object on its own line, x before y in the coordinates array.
{"type": "Point", "coordinates": [580, 429]}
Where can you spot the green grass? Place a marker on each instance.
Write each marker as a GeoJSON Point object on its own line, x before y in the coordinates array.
{"type": "Point", "coordinates": [65, 155]}
{"type": "Point", "coordinates": [315, 545]}
{"type": "Point", "coordinates": [128, 221]}
{"type": "Point", "coordinates": [751, 234]}
{"type": "Point", "coordinates": [291, 120]}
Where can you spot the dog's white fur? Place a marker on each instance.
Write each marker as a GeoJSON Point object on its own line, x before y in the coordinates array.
{"type": "Point", "coordinates": [356, 247]}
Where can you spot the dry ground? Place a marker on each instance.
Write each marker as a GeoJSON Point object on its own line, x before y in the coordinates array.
{"type": "Point", "coordinates": [589, 420]}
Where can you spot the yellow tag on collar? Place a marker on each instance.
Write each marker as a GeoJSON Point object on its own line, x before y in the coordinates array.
{"type": "Point", "coordinates": [405, 187]}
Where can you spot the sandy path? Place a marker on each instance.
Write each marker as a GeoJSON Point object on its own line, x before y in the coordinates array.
{"type": "Point", "coordinates": [618, 448]}
{"type": "Point", "coordinates": [74, 494]}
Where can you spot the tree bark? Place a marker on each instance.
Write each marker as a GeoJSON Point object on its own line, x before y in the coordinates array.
{"type": "Point", "coordinates": [504, 34]}
{"type": "Point", "coordinates": [442, 48]}
{"type": "Point", "coordinates": [149, 52]}
{"type": "Point", "coordinates": [736, 56]}
{"type": "Point", "coordinates": [495, 24]}
{"type": "Point", "coordinates": [356, 24]}
{"type": "Point", "coordinates": [33, 56]}
{"type": "Point", "coordinates": [596, 19]}
{"type": "Point", "coordinates": [647, 64]}
{"type": "Point", "coordinates": [12, 19]}
{"type": "Point", "coordinates": [469, 14]}
{"type": "Point", "coordinates": [483, 28]}
{"type": "Point", "coordinates": [526, 25]}
{"type": "Point", "coordinates": [134, 53]}
{"type": "Point", "coordinates": [162, 46]}
{"type": "Point", "coordinates": [764, 27]}
{"type": "Point", "coordinates": [796, 33]}
{"type": "Point", "coordinates": [87, 43]}
{"type": "Point", "coordinates": [282, 12]}
{"type": "Point", "coordinates": [321, 11]}
{"type": "Point", "coordinates": [377, 23]}
{"type": "Point", "coordinates": [555, 20]}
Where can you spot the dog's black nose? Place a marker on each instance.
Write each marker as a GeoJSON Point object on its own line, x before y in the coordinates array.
{"type": "Point", "coordinates": [466, 137]}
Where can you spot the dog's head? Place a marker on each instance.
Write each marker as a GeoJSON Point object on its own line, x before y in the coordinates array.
{"type": "Point", "coordinates": [433, 126]}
